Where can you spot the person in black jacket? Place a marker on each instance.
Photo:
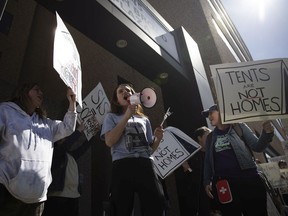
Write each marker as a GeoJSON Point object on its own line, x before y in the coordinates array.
{"type": "Point", "coordinates": [193, 199]}
{"type": "Point", "coordinates": [64, 191]}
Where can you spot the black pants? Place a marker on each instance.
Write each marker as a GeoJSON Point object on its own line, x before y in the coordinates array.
{"type": "Point", "coordinates": [136, 175]}
{"type": "Point", "coordinates": [60, 206]}
{"type": "Point", "coordinates": [249, 197]}
{"type": "Point", "coordinates": [10, 206]}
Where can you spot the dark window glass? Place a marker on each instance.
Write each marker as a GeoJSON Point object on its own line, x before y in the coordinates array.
{"type": "Point", "coordinates": [6, 22]}
{"type": "Point", "coordinates": [2, 7]}
{"type": "Point", "coordinates": [121, 80]}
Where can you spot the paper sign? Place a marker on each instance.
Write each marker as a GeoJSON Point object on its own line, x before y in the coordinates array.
{"type": "Point", "coordinates": [252, 91]}
{"type": "Point", "coordinates": [272, 172]}
{"type": "Point", "coordinates": [175, 148]}
{"type": "Point", "coordinates": [66, 59]}
{"type": "Point", "coordinates": [283, 123]}
{"type": "Point", "coordinates": [94, 108]}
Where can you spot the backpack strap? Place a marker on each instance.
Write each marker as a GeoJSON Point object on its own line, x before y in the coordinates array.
{"type": "Point", "coordinates": [239, 132]}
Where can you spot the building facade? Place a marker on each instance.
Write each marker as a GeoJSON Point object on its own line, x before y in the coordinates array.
{"type": "Point", "coordinates": [167, 45]}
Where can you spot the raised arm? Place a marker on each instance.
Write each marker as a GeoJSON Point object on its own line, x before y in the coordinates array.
{"type": "Point", "coordinates": [112, 136]}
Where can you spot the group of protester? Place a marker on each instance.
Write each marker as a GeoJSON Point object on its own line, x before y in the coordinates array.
{"type": "Point", "coordinates": [28, 164]}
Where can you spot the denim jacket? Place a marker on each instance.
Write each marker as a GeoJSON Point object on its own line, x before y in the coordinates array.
{"type": "Point", "coordinates": [241, 149]}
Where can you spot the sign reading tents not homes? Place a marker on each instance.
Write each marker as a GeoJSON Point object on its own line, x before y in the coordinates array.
{"type": "Point", "coordinates": [252, 91]}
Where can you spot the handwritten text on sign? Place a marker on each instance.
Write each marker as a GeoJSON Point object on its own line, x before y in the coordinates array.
{"type": "Point", "coordinates": [174, 149]}
{"type": "Point", "coordinates": [251, 90]}
{"type": "Point", "coordinates": [94, 108]}
{"type": "Point", "coordinates": [66, 59]}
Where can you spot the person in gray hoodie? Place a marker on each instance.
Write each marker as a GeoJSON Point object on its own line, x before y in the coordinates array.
{"type": "Point", "coordinates": [26, 148]}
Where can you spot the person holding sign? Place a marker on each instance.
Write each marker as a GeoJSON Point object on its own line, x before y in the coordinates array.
{"type": "Point", "coordinates": [64, 191]}
{"type": "Point", "coordinates": [127, 131]}
{"type": "Point", "coordinates": [230, 173]}
{"type": "Point", "coordinates": [26, 149]}
{"type": "Point", "coordinates": [192, 200]}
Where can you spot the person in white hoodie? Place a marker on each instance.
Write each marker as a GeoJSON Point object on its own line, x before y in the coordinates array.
{"type": "Point", "coordinates": [26, 149]}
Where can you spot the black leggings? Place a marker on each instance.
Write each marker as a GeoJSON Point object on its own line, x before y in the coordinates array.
{"type": "Point", "coordinates": [10, 206]}
{"type": "Point", "coordinates": [136, 175]}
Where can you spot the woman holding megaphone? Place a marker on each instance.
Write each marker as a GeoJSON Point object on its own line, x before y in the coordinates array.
{"type": "Point", "coordinates": [127, 131]}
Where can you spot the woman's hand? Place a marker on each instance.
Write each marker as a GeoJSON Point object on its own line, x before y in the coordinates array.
{"type": "Point", "coordinates": [268, 127]}
{"type": "Point", "coordinates": [158, 133]}
{"type": "Point", "coordinates": [186, 167]}
{"type": "Point", "coordinates": [131, 110]}
{"type": "Point", "coordinates": [71, 96]}
{"type": "Point", "coordinates": [81, 127]}
{"type": "Point", "coordinates": [208, 189]}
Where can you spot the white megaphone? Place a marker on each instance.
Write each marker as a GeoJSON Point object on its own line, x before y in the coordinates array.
{"type": "Point", "coordinates": [147, 97]}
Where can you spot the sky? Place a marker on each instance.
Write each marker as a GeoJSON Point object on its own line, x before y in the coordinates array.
{"type": "Point", "coordinates": [262, 24]}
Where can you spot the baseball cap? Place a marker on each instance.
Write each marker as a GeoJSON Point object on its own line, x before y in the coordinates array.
{"type": "Point", "coordinates": [206, 112]}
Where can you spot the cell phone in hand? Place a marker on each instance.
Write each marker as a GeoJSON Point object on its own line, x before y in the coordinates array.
{"type": "Point", "coordinates": [223, 191]}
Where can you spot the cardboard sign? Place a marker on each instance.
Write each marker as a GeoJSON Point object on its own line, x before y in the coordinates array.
{"type": "Point", "coordinates": [174, 149]}
{"type": "Point", "coordinates": [252, 91]}
{"type": "Point", "coordinates": [272, 172]}
{"type": "Point", "coordinates": [94, 108]}
{"type": "Point", "coordinates": [283, 123]}
{"type": "Point", "coordinates": [66, 59]}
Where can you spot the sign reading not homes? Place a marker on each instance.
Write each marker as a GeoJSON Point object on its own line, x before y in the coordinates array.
{"type": "Point", "coordinates": [252, 91]}
{"type": "Point", "coordinates": [175, 148]}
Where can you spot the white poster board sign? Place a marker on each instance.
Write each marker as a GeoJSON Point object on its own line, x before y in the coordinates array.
{"type": "Point", "coordinates": [94, 107]}
{"type": "Point", "coordinates": [66, 59]}
{"type": "Point", "coordinates": [175, 148]}
{"type": "Point", "coordinates": [283, 184]}
{"type": "Point", "coordinates": [272, 172]}
{"type": "Point", "coordinates": [283, 123]}
{"type": "Point", "coordinates": [251, 91]}
{"type": "Point", "coordinates": [285, 146]}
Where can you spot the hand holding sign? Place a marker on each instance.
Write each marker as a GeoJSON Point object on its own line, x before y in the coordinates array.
{"type": "Point", "coordinates": [167, 114]}
{"type": "Point", "coordinates": [72, 99]}
{"type": "Point", "coordinates": [268, 127]}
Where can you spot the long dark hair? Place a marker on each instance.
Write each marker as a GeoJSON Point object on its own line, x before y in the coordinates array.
{"type": "Point", "coordinates": [115, 106]}
{"type": "Point", "coordinates": [21, 98]}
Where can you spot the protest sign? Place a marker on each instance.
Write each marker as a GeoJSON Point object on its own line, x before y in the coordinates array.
{"type": "Point", "coordinates": [174, 149]}
{"type": "Point", "coordinates": [272, 172]}
{"type": "Point", "coordinates": [281, 162]}
{"type": "Point", "coordinates": [283, 123]}
{"type": "Point", "coordinates": [94, 107]}
{"type": "Point", "coordinates": [279, 158]}
{"type": "Point", "coordinates": [66, 59]}
{"type": "Point", "coordinates": [252, 91]}
{"type": "Point", "coordinates": [285, 146]}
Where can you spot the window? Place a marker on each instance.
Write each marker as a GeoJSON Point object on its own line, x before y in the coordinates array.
{"type": "Point", "coordinates": [6, 22]}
